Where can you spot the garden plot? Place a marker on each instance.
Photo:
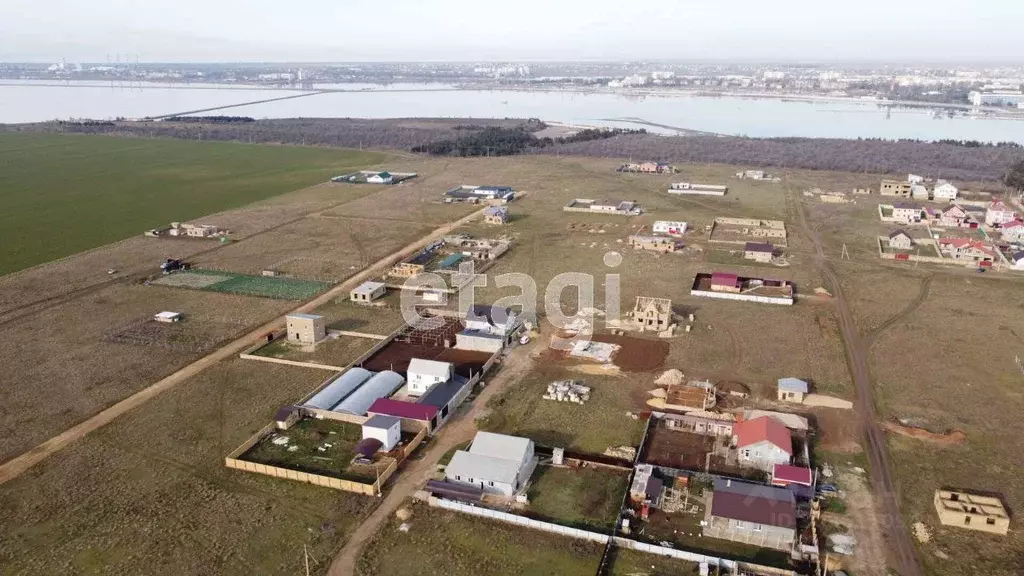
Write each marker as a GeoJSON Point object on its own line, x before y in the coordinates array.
{"type": "Point", "coordinates": [193, 334]}
{"type": "Point", "coordinates": [280, 287]}
{"type": "Point", "coordinates": [585, 498]}
{"type": "Point", "coordinates": [323, 447]}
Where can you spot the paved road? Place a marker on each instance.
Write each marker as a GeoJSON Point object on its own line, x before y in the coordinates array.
{"type": "Point", "coordinates": [415, 475]}
{"type": "Point", "coordinates": [17, 466]}
{"type": "Point", "coordinates": [902, 551]}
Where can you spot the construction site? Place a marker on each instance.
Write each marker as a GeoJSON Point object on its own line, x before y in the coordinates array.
{"type": "Point", "coordinates": [742, 230]}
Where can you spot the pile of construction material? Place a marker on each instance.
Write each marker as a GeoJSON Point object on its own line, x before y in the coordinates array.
{"type": "Point", "coordinates": [568, 391]}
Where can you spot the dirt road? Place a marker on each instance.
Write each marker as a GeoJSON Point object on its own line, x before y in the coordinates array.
{"type": "Point", "coordinates": [902, 552]}
{"type": "Point", "coordinates": [459, 430]}
{"type": "Point", "coordinates": [18, 465]}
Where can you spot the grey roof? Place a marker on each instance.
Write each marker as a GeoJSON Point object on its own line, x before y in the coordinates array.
{"type": "Point", "coordinates": [758, 247]}
{"type": "Point", "coordinates": [495, 188]}
{"type": "Point", "coordinates": [906, 206]}
{"type": "Point", "coordinates": [899, 232]}
{"type": "Point", "coordinates": [496, 211]}
{"type": "Point", "coordinates": [753, 490]}
{"type": "Point", "coordinates": [482, 468]}
{"type": "Point", "coordinates": [430, 368]}
{"type": "Point", "coordinates": [494, 315]}
{"type": "Point", "coordinates": [339, 388]}
{"type": "Point", "coordinates": [382, 421]}
{"type": "Point", "coordinates": [368, 287]}
{"type": "Point", "coordinates": [1018, 256]}
{"type": "Point", "coordinates": [500, 446]}
{"type": "Point", "coordinates": [441, 394]}
{"type": "Point", "coordinates": [793, 385]}
{"type": "Point", "coordinates": [305, 316]}
{"type": "Point", "coordinates": [381, 385]}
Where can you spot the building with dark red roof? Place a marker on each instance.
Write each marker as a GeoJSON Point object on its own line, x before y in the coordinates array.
{"type": "Point", "coordinates": [762, 443]}
{"type": "Point", "coordinates": [751, 513]}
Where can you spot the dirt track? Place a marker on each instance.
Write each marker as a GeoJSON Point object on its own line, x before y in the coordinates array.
{"type": "Point", "coordinates": [902, 552]}
{"type": "Point", "coordinates": [18, 465]}
{"type": "Point", "coordinates": [461, 429]}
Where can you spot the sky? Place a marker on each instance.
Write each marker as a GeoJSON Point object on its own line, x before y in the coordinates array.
{"type": "Point", "coordinates": [932, 31]}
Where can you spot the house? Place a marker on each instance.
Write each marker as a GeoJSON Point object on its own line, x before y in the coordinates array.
{"type": "Point", "coordinates": [447, 396]}
{"type": "Point", "coordinates": [762, 443]}
{"type": "Point", "coordinates": [786, 475]}
{"type": "Point", "coordinates": [367, 292]}
{"type": "Point", "coordinates": [617, 207]}
{"type": "Point", "coordinates": [999, 213]}
{"type": "Point", "coordinates": [967, 249]}
{"type": "Point", "coordinates": [906, 212]}
{"type": "Point", "coordinates": [653, 243]}
{"type": "Point", "coordinates": [1012, 231]}
{"type": "Point", "coordinates": [652, 313]}
{"type": "Point", "coordinates": [380, 178]}
{"type": "Point", "coordinates": [647, 168]}
{"type": "Point", "coordinates": [419, 415]}
{"type": "Point", "coordinates": [725, 282]}
{"type": "Point", "coordinates": [944, 191]}
{"type": "Point", "coordinates": [613, 206]}
{"type": "Point", "coordinates": [900, 240]}
{"type": "Point", "coordinates": [669, 227]}
{"type": "Point", "coordinates": [476, 193]}
{"type": "Point", "coordinates": [497, 215]}
{"type": "Point", "coordinates": [894, 188]}
{"type": "Point", "coordinates": [286, 417]}
{"type": "Point", "coordinates": [919, 192]}
{"type": "Point", "coordinates": [305, 328]}
{"type": "Point", "coordinates": [956, 217]}
{"type": "Point", "coordinates": [755, 514]}
{"type": "Point", "coordinates": [646, 488]}
{"type": "Point", "coordinates": [792, 390]}
{"type": "Point", "coordinates": [422, 375]}
{"type": "Point", "coordinates": [495, 463]}
{"type": "Point", "coordinates": [751, 174]}
{"type": "Point", "coordinates": [915, 179]}
{"type": "Point", "coordinates": [488, 328]}
{"type": "Point", "coordinates": [168, 317]}
{"type": "Point", "coordinates": [758, 251]}
{"type": "Point", "coordinates": [387, 429]}
{"type": "Point", "coordinates": [971, 511]}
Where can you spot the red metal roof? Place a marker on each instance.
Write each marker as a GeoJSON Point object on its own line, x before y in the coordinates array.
{"type": "Point", "coordinates": [784, 474]}
{"type": "Point", "coordinates": [402, 409]}
{"type": "Point", "coordinates": [761, 429]}
{"type": "Point", "coordinates": [724, 279]}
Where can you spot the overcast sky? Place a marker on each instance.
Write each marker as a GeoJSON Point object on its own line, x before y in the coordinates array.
{"type": "Point", "coordinates": [472, 30]}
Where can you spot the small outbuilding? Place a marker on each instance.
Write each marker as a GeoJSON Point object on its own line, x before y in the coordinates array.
{"type": "Point", "coordinates": [792, 390]}
{"type": "Point", "coordinates": [380, 178]}
{"type": "Point", "coordinates": [367, 292]}
{"type": "Point", "coordinates": [497, 215]}
{"type": "Point", "coordinates": [168, 317]}
{"type": "Point", "coordinates": [387, 429]}
{"type": "Point", "coordinates": [305, 328]}
{"type": "Point", "coordinates": [286, 417]}
{"type": "Point", "coordinates": [758, 251]}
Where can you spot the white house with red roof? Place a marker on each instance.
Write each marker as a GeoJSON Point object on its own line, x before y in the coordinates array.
{"type": "Point", "coordinates": [1013, 231]}
{"type": "Point", "coordinates": [999, 213]}
{"type": "Point", "coordinates": [956, 217]}
{"type": "Point", "coordinates": [762, 443]}
{"type": "Point", "coordinates": [967, 249]}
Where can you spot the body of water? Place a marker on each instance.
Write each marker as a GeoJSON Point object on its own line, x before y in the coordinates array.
{"type": "Point", "coordinates": [39, 101]}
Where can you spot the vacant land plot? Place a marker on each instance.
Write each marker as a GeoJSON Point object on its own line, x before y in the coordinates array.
{"type": "Point", "coordinates": [323, 447]}
{"type": "Point", "coordinates": [683, 530]}
{"type": "Point", "coordinates": [586, 498]}
{"type": "Point", "coordinates": [61, 365]}
{"type": "Point", "coordinates": [397, 355]}
{"type": "Point", "coordinates": [626, 562]}
{"type": "Point", "coordinates": [193, 334]}
{"type": "Point", "coordinates": [601, 423]}
{"type": "Point", "coordinates": [443, 542]}
{"type": "Point", "coordinates": [97, 189]}
{"type": "Point", "coordinates": [338, 352]}
{"type": "Point", "coordinates": [153, 485]}
{"type": "Point", "coordinates": [245, 284]}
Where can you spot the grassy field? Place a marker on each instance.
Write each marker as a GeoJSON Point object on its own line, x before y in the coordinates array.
{"type": "Point", "coordinates": [443, 542]}
{"type": "Point", "coordinates": [625, 562]}
{"type": "Point", "coordinates": [586, 498]}
{"type": "Point", "coordinates": [321, 447]}
{"type": "Point", "coordinates": [66, 194]}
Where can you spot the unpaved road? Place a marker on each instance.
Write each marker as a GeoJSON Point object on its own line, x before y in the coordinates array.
{"type": "Point", "coordinates": [461, 429]}
{"type": "Point", "coordinates": [862, 519]}
{"type": "Point", "coordinates": [18, 465]}
{"type": "Point", "coordinates": [902, 552]}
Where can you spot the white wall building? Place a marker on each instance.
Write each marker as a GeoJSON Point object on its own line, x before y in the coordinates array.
{"type": "Point", "coordinates": [387, 429]}
{"type": "Point", "coordinates": [670, 227]}
{"type": "Point", "coordinates": [999, 213]}
{"type": "Point", "coordinates": [495, 463]}
{"type": "Point", "coordinates": [944, 191]}
{"type": "Point", "coordinates": [423, 375]}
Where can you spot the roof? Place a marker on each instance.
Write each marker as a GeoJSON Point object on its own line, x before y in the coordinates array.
{"type": "Point", "coordinates": [367, 447]}
{"type": "Point", "coordinates": [283, 413]}
{"type": "Point", "coordinates": [1007, 226]}
{"type": "Point", "coordinates": [441, 394]}
{"type": "Point", "coordinates": [906, 206]}
{"type": "Point", "coordinates": [382, 421]}
{"type": "Point", "coordinates": [368, 287]}
{"type": "Point", "coordinates": [384, 174]}
{"type": "Point", "coordinates": [495, 188]}
{"type": "Point", "coordinates": [496, 211]}
{"type": "Point", "coordinates": [339, 388]}
{"type": "Point", "coordinates": [724, 279]}
{"type": "Point", "coordinates": [763, 429]}
{"type": "Point", "coordinates": [792, 474]}
{"type": "Point", "coordinates": [792, 385]}
{"type": "Point", "coordinates": [662, 305]}
{"type": "Point", "coordinates": [1018, 256]}
{"type": "Point", "coordinates": [998, 205]}
{"type": "Point", "coordinates": [167, 315]}
{"type": "Point", "coordinates": [758, 247]}
{"type": "Point", "coordinates": [430, 368]}
{"type": "Point", "coordinates": [403, 409]}
{"type": "Point", "coordinates": [380, 385]}
{"type": "Point", "coordinates": [500, 446]}
{"type": "Point", "coordinates": [899, 232]}
{"type": "Point", "coordinates": [791, 421]}
{"type": "Point", "coordinates": [767, 505]}
{"type": "Point", "coordinates": [305, 316]}
{"type": "Point", "coordinates": [494, 315]}
{"type": "Point", "coordinates": [482, 468]}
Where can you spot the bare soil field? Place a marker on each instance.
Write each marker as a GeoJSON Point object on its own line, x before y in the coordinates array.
{"type": "Point", "coordinates": [397, 355]}
{"type": "Point", "coordinates": [149, 493]}
{"type": "Point", "coordinates": [61, 367]}
{"type": "Point", "coordinates": [333, 351]}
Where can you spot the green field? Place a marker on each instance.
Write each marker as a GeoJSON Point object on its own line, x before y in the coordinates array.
{"type": "Point", "coordinates": [62, 194]}
{"type": "Point", "coordinates": [280, 287]}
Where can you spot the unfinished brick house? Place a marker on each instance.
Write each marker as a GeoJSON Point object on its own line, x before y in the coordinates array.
{"type": "Point", "coordinates": [971, 511]}
{"type": "Point", "coordinates": [652, 313]}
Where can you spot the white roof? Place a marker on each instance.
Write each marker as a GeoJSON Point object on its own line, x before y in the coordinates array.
{"type": "Point", "coordinates": [482, 468]}
{"type": "Point", "coordinates": [792, 385]}
{"type": "Point", "coordinates": [500, 446]}
{"type": "Point", "coordinates": [368, 287]}
{"type": "Point", "coordinates": [339, 388]}
{"type": "Point", "coordinates": [429, 368]}
{"type": "Point", "coordinates": [380, 385]}
{"type": "Point", "coordinates": [791, 421]}
{"type": "Point", "coordinates": [168, 315]}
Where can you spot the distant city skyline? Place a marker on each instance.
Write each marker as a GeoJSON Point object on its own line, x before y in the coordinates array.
{"type": "Point", "coordinates": [899, 31]}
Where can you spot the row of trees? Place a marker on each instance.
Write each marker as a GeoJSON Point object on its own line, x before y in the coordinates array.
{"type": "Point", "coordinates": [211, 119]}
{"type": "Point", "coordinates": [499, 141]}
